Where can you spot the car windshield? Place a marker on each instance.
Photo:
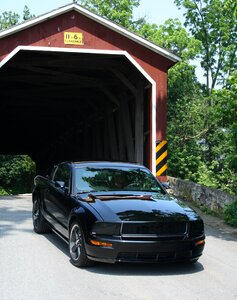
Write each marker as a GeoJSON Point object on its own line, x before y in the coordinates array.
{"type": "Point", "coordinates": [89, 179]}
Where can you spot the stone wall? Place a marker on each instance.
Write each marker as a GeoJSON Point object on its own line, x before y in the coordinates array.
{"type": "Point", "coordinates": [215, 200]}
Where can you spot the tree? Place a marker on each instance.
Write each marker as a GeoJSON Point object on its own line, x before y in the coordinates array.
{"type": "Point", "coordinates": [185, 129]}
{"type": "Point", "coordinates": [172, 35]}
{"type": "Point", "coordinates": [16, 172]}
{"type": "Point", "coordinates": [9, 18]}
{"type": "Point", "coordinates": [222, 137]}
{"type": "Point", "coordinates": [213, 23]}
{"type": "Point", "coordinates": [182, 80]}
{"type": "Point", "coordinates": [26, 14]}
{"type": "Point", "coordinates": [119, 11]}
{"type": "Point", "coordinates": [202, 137]}
{"type": "Point", "coordinates": [186, 108]}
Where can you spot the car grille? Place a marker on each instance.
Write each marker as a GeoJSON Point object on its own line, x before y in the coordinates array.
{"type": "Point", "coordinates": [154, 228]}
{"type": "Point", "coordinates": [153, 256]}
{"type": "Point", "coordinates": [165, 230]}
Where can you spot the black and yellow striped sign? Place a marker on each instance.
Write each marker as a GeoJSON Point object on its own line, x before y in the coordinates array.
{"type": "Point", "coordinates": [161, 158]}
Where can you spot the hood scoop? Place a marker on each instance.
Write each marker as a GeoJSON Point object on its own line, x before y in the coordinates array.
{"type": "Point", "coordinates": [92, 197]}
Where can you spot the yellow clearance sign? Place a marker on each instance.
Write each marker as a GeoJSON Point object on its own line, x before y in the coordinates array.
{"type": "Point", "coordinates": [73, 38]}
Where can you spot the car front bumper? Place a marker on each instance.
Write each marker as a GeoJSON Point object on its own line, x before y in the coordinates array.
{"type": "Point", "coordinates": [146, 251]}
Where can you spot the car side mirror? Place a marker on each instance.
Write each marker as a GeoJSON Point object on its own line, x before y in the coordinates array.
{"type": "Point", "coordinates": [60, 184]}
{"type": "Point", "coordinates": [165, 185]}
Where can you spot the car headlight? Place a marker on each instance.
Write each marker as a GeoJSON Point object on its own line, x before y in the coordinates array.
{"type": "Point", "coordinates": [196, 228]}
{"type": "Point", "coordinates": [106, 228]}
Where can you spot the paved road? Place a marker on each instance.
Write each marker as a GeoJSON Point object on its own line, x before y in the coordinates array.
{"type": "Point", "coordinates": [37, 267]}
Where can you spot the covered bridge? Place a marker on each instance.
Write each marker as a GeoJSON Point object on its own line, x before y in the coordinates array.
{"type": "Point", "coordinates": [76, 86]}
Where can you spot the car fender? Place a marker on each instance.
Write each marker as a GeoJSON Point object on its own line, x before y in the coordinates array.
{"type": "Point", "coordinates": [84, 217]}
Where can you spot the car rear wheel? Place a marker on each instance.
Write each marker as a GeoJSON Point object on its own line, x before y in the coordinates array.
{"type": "Point", "coordinates": [77, 247]}
{"type": "Point", "coordinates": [39, 223]}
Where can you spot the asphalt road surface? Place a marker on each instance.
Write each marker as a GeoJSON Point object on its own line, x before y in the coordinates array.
{"type": "Point", "coordinates": [37, 267]}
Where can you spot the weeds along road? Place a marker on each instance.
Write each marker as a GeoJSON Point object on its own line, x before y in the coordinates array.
{"type": "Point", "coordinates": [37, 267]}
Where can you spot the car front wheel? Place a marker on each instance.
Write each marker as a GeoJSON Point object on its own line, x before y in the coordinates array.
{"type": "Point", "coordinates": [77, 247]}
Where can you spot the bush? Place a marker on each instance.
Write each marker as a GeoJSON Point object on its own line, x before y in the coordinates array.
{"type": "Point", "coordinates": [3, 192]}
{"type": "Point", "coordinates": [16, 174]}
{"type": "Point", "coordinates": [230, 214]}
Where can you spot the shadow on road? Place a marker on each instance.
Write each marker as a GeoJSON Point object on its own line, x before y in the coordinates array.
{"type": "Point", "coordinates": [220, 233]}
{"type": "Point", "coordinates": [164, 269]}
{"type": "Point", "coordinates": [58, 242]}
{"type": "Point", "coordinates": [14, 213]}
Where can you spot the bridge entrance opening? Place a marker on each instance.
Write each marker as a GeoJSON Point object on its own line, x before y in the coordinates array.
{"type": "Point", "coordinates": [66, 105]}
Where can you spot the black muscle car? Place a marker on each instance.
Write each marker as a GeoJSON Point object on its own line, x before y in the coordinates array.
{"type": "Point", "coordinates": [115, 212]}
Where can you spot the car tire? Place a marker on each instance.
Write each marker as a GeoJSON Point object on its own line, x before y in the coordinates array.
{"type": "Point", "coordinates": [39, 223]}
{"type": "Point", "coordinates": [77, 247]}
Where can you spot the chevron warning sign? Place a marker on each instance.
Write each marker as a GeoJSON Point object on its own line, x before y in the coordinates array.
{"type": "Point", "coordinates": [161, 158]}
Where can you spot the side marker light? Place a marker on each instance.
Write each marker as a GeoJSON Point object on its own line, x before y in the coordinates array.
{"type": "Point", "coordinates": [198, 243]}
{"type": "Point", "coordinates": [102, 244]}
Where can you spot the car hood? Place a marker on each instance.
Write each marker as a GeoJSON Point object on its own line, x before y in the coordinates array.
{"type": "Point", "coordinates": [140, 208]}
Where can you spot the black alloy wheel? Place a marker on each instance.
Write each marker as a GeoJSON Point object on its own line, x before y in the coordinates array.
{"type": "Point", "coordinates": [77, 247]}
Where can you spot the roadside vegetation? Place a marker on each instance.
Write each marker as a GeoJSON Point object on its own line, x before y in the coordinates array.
{"type": "Point", "coordinates": [202, 117]}
{"type": "Point", "coordinates": [230, 214]}
{"type": "Point", "coordinates": [16, 174]}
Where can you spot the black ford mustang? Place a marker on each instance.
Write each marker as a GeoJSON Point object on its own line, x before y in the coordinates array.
{"type": "Point", "coordinates": [115, 212]}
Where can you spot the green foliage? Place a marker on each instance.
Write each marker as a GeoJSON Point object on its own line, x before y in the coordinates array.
{"type": "Point", "coordinates": [222, 135]}
{"type": "Point", "coordinates": [213, 23]}
{"type": "Point", "coordinates": [26, 14]}
{"type": "Point", "coordinates": [3, 192]}
{"type": "Point", "coordinates": [206, 176]}
{"type": "Point", "coordinates": [203, 138]}
{"type": "Point", "coordinates": [16, 174]}
{"type": "Point", "coordinates": [201, 129]}
{"type": "Point", "coordinates": [182, 84]}
{"type": "Point", "coordinates": [9, 18]}
{"type": "Point", "coordinates": [172, 35]}
{"type": "Point", "coordinates": [185, 127]}
{"type": "Point", "coordinates": [182, 79]}
{"type": "Point", "coordinates": [119, 11]}
{"type": "Point", "coordinates": [230, 213]}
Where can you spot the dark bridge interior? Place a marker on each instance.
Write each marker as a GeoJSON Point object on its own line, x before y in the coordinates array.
{"type": "Point", "coordinates": [59, 106]}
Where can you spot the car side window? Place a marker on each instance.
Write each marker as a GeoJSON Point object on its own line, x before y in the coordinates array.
{"type": "Point", "coordinates": [63, 174]}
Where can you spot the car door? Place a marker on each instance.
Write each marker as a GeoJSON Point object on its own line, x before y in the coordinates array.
{"type": "Point", "coordinates": [57, 198]}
